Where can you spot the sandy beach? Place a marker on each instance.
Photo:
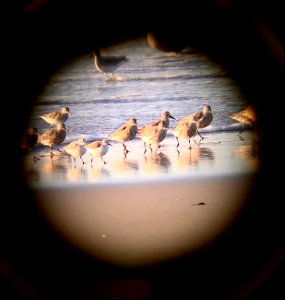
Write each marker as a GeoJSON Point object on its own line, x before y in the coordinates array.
{"type": "Point", "coordinates": [143, 210]}
{"type": "Point", "coordinates": [140, 224]}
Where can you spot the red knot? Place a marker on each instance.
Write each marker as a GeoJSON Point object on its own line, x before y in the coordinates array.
{"type": "Point", "coordinates": [53, 136]}
{"type": "Point", "coordinates": [165, 43]}
{"type": "Point", "coordinates": [29, 138]}
{"type": "Point", "coordinates": [125, 133]}
{"type": "Point", "coordinates": [203, 118]}
{"type": "Point", "coordinates": [185, 130]}
{"type": "Point", "coordinates": [155, 132]}
{"type": "Point", "coordinates": [246, 116]}
{"type": "Point", "coordinates": [55, 117]}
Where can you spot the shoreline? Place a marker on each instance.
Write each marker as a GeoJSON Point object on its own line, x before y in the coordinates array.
{"type": "Point", "coordinates": [219, 154]}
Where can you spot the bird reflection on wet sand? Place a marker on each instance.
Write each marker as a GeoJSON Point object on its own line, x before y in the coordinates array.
{"type": "Point", "coordinates": [97, 174]}
{"type": "Point", "coordinates": [249, 154]}
{"type": "Point", "coordinates": [156, 164]}
{"type": "Point", "coordinates": [75, 174]}
{"type": "Point", "coordinates": [121, 166]}
{"type": "Point", "coordinates": [193, 157]}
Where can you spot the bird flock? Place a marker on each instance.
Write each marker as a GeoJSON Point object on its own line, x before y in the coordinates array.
{"type": "Point", "coordinates": [151, 134]}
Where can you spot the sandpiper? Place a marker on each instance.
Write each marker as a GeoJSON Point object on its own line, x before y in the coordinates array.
{"type": "Point", "coordinates": [108, 64]}
{"type": "Point", "coordinates": [184, 131]}
{"type": "Point", "coordinates": [53, 136]}
{"type": "Point", "coordinates": [125, 133]}
{"type": "Point", "coordinates": [246, 116]}
{"type": "Point", "coordinates": [203, 118]}
{"type": "Point", "coordinates": [76, 149]}
{"type": "Point", "coordinates": [98, 149]}
{"type": "Point", "coordinates": [155, 132]}
{"type": "Point", "coordinates": [29, 138]}
{"type": "Point", "coordinates": [55, 117]}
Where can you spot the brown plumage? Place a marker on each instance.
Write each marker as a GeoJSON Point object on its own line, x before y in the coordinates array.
{"type": "Point", "coordinates": [29, 138]}
{"type": "Point", "coordinates": [155, 132]}
{"type": "Point", "coordinates": [125, 133]}
{"type": "Point", "coordinates": [185, 131]}
{"type": "Point", "coordinates": [53, 136]}
{"type": "Point", "coordinates": [55, 117]}
{"type": "Point", "coordinates": [246, 116]}
{"type": "Point", "coordinates": [202, 118]}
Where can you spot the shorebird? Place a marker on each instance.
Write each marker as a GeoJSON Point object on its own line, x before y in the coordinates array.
{"type": "Point", "coordinates": [203, 118]}
{"type": "Point", "coordinates": [153, 135]}
{"type": "Point", "coordinates": [29, 138]}
{"type": "Point", "coordinates": [165, 43]}
{"type": "Point", "coordinates": [246, 116]}
{"type": "Point", "coordinates": [185, 131]}
{"type": "Point", "coordinates": [108, 64]}
{"type": "Point", "coordinates": [53, 136]}
{"type": "Point", "coordinates": [164, 117]}
{"type": "Point", "coordinates": [155, 132]}
{"type": "Point", "coordinates": [55, 117]}
{"type": "Point", "coordinates": [98, 149]}
{"type": "Point", "coordinates": [125, 133]}
{"type": "Point", "coordinates": [76, 149]}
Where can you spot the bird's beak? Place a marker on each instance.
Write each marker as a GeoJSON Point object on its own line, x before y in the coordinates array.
{"type": "Point", "coordinates": [109, 144]}
{"type": "Point", "coordinates": [172, 117]}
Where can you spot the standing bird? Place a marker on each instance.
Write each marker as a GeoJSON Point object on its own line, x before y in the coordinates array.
{"type": "Point", "coordinates": [153, 135]}
{"type": "Point", "coordinates": [55, 117]}
{"type": "Point", "coordinates": [185, 131]}
{"type": "Point", "coordinates": [203, 118]}
{"type": "Point", "coordinates": [98, 149]}
{"type": "Point", "coordinates": [155, 132]}
{"type": "Point", "coordinates": [125, 133]}
{"type": "Point", "coordinates": [246, 117]}
{"type": "Point", "coordinates": [53, 136]}
{"type": "Point", "coordinates": [108, 64]}
{"type": "Point", "coordinates": [76, 149]}
{"type": "Point", "coordinates": [29, 138]}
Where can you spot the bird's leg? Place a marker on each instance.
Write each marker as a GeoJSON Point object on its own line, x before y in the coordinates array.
{"type": "Point", "coordinates": [103, 160]}
{"type": "Point", "coordinates": [190, 144]}
{"type": "Point", "coordinates": [91, 158]}
{"type": "Point", "coordinates": [150, 148]}
{"type": "Point", "coordinates": [177, 142]}
{"type": "Point", "coordinates": [178, 152]}
{"type": "Point", "coordinates": [83, 162]}
{"type": "Point", "coordinates": [51, 153]}
{"type": "Point", "coordinates": [201, 138]}
{"type": "Point", "coordinates": [126, 151]}
{"type": "Point", "coordinates": [145, 148]}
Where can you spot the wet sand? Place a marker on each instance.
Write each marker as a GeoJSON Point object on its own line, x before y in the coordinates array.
{"type": "Point", "coordinates": [138, 224]}
{"type": "Point", "coordinates": [142, 210]}
{"type": "Point", "coordinates": [222, 153]}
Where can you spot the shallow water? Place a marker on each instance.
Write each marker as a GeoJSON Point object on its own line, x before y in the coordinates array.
{"type": "Point", "coordinates": [151, 82]}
